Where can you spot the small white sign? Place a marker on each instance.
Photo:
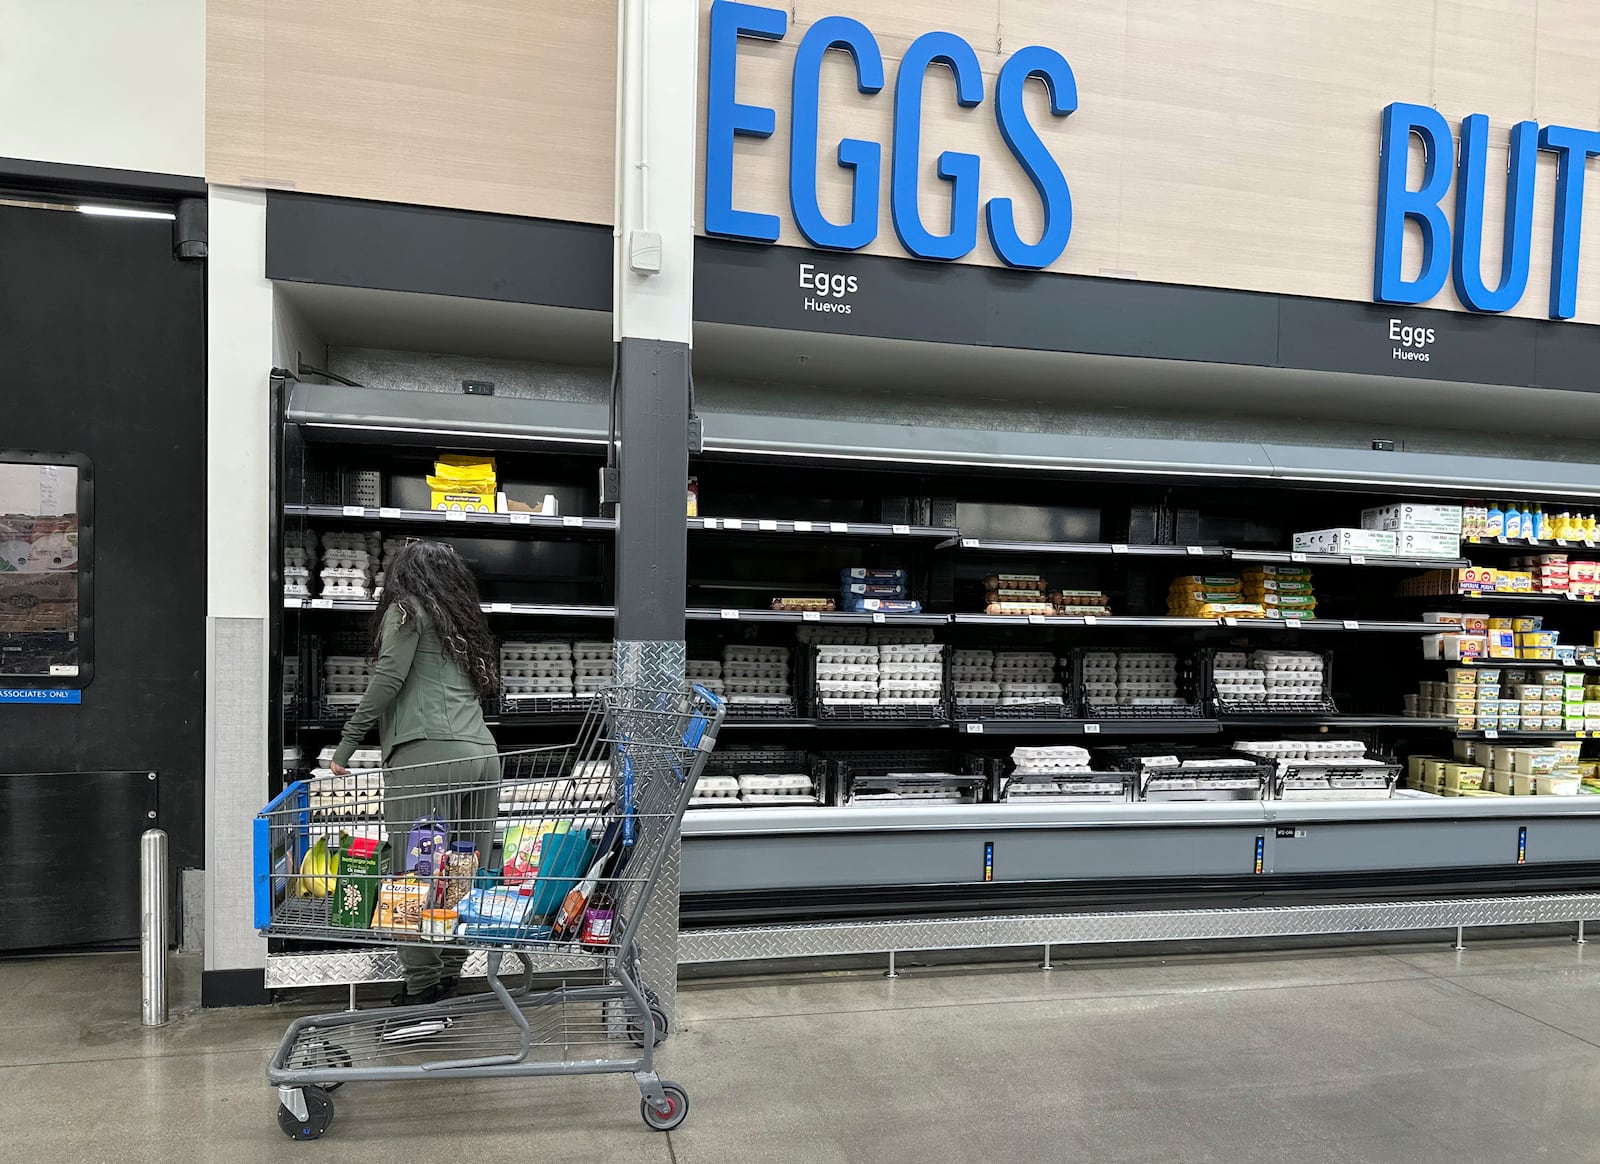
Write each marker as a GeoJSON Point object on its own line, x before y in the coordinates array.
{"type": "Point", "coordinates": [901, 529]}
{"type": "Point", "coordinates": [455, 515]}
{"type": "Point", "coordinates": [1351, 624]}
{"type": "Point", "coordinates": [1292, 623]}
{"type": "Point", "coordinates": [499, 608]}
{"type": "Point", "coordinates": [521, 518]}
{"type": "Point", "coordinates": [1358, 559]}
{"type": "Point", "coordinates": [388, 512]}
{"type": "Point", "coordinates": [1091, 729]}
{"type": "Point", "coordinates": [1119, 548]}
{"type": "Point", "coordinates": [1194, 551]}
{"type": "Point", "coordinates": [708, 522]}
{"type": "Point", "coordinates": [572, 522]}
{"type": "Point", "coordinates": [802, 527]}
{"type": "Point", "coordinates": [355, 511]}
{"type": "Point", "coordinates": [63, 670]}
{"type": "Point", "coordinates": [769, 526]}
{"type": "Point", "coordinates": [810, 616]}
{"type": "Point", "coordinates": [969, 543]}
{"type": "Point", "coordinates": [731, 615]}
{"type": "Point", "coordinates": [1088, 620]}
{"type": "Point", "coordinates": [839, 526]}
{"type": "Point", "coordinates": [1491, 734]}
{"type": "Point", "coordinates": [732, 523]}
{"type": "Point", "coordinates": [876, 617]}
{"type": "Point", "coordinates": [1230, 622]}
{"type": "Point", "coordinates": [1298, 557]}
{"type": "Point", "coordinates": [322, 604]}
{"type": "Point", "coordinates": [974, 729]}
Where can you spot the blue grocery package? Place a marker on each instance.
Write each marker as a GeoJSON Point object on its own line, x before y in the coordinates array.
{"type": "Point", "coordinates": [863, 574]}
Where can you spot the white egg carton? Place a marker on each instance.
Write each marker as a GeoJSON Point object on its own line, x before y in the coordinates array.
{"type": "Point", "coordinates": [911, 671]}
{"type": "Point", "coordinates": [703, 669]}
{"type": "Point", "coordinates": [296, 589]}
{"type": "Point", "coordinates": [300, 572]}
{"type": "Point", "coordinates": [1241, 675]}
{"type": "Point", "coordinates": [1030, 690]}
{"type": "Point", "coordinates": [1032, 701]}
{"type": "Point", "coordinates": [907, 654]}
{"type": "Point", "coordinates": [896, 690]}
{"type": "Point", "coordinates": [757, 686]}
{"type": "Point", "coordinates": [1014, 660]}
{"type": "Point", "coordinates": [757, 699]}
{"type": "Point", "coordinates": [977, 659]}
{"type": "Point", "coordinates": [721, 787]}
{"type": "Point", "coordinates": [1053, 757]}
{"type": "Point", "coordinates": [749, 654]}
{"type": "Point", "coordinates": [846, 653]}
{"type": "Point", "coordinates": [847, 671]}
{"type": "Point", "coordinates": [790, 784]}
{"type": "Point", "coordinates": [1287, 660]}
{"type": "Point", "coordinates": [836, 635]}
{"type": "Point", "coordinates": [755, 671]}
{"type": "Point", "coordinates": [897, 636]}
{"type": "Point", "coordinates": [346, 665]}
{"type": "Point", "coordinates": [1152, 701]}
{"type": "Point", "coordinates": [971, 674]}
{"type": "Point", "coordinates": [1231, 660]}
{"type": "Point", "coordinates": [592, 649]}
{"type": "Point", "coordinates": [345, 588]}
{"type": "Point", "coordinates": [850, 700]}
{"type": "Point", "coordinates": [833, 688]}
{"type": "Point", "coordinates": [589, 684]}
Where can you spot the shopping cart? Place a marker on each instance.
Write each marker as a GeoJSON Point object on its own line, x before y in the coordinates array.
{"type": "Point", "coordinates": [583, 831]}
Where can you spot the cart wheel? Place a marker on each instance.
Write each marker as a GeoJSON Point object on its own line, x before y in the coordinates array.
{"type": "Point", "coordinates": [319, 1115]}
{"type": "Point", "coordinates": [325, 1054]}
{"type": "Point", "coordinates": [673, 1115]}
{"type": "Point", "coordinates": [659, 1029]}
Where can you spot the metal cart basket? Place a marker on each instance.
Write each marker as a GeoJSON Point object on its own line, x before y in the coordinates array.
{"type": "Point", "coordinates": [553, 866]}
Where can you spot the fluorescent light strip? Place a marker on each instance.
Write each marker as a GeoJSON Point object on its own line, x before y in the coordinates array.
{"type": "Point", "coordinates": [125, 212]}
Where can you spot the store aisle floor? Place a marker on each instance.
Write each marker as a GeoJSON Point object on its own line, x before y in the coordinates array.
{"type": "Point", "coordinates": [1396, 1054]}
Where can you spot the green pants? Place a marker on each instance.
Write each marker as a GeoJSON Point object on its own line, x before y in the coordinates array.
{"type": "Point", "coordinates": [458, 782]}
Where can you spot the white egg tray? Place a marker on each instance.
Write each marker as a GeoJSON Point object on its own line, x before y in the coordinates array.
{"type": "Point", "coordinates": [346, 665]}
{"type": "Point", "coordinates": [911, 671]}
{"type": "Point", "coordinates": [296, 590]}
{"type": "Point", "coordinates": [1151, 701]}
{"type": "Point", "coordinates": [743, 654]}
{"type": "Point", "coordinates": [895, 690]}
{"type": "Point", "coordinates": [757, 699]}
{"type": "Point", "coordinates": [1030, 689]}
{"type": "Point", "coordinates": [592, 649]}
{"type": "Point", "coordinates": [703, 669]}
{"type": "Point", "coordinates": [914, 655]}
{"type": "Point", "coordinates": [978, 659]}
{"type": "Point", "coordinates": [1012, 660]}
{"type": "Point", "coordinates": [589, 684]}
{"type": "Point", "coordinates": [300, 572]}
{"type": "Point", "coordinates": [971, 674]}
{"type": "Point", "coordinates": [1054, 754]}
{"type": "Point", "coordinates": [834, 635]}
{"type": "Point", "coordinates": [850, 700]}
{"type": "Point", "coordinates": [796, 783]}
{"type": "Point", "coordinates": [344, 588]}
{"type": "Point", "coordinates": [829, 688]}
{"type": "Point", "coordinates": [755, 671]}
{"type": "Point", "coordinates": [757, 686]}
{"type": "Point", "coordinates": [1032, 701]}
{"type": "Point", "coordinates": [846, 653]}
{"type": "Point", "coordinates": [897, 636]}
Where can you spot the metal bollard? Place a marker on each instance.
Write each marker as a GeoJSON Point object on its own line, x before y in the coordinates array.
{"type": "Point", "coordinates": [153, 899]}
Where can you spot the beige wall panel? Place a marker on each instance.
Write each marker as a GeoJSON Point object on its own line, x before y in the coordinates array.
{"type": "Point", "coordinates": [1229, 143]}
{"type": "Point", "coordinates": [497, 105]}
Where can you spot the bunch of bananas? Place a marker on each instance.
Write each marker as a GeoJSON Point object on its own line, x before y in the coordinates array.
{"type": "Point", "coordinates": [319, 867]}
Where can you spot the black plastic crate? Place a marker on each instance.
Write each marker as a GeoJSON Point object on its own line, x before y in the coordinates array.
{"type": "Point", "coordinates": [1320, 704]}
{"type": "Point", "coordinates": [1014, 711]}
{"type": "Point", "coordinates": [1334, 770]}
{"type": "Point", "coordinates": [789, 708]}
{"type": "Point", "coordinates": [1190, 684]}
{"type": "Point", "coordinates": [1137, 757]}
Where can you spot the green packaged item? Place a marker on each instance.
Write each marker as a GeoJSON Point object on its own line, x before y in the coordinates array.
{"type": "Point", "coordinates": [355, 894]}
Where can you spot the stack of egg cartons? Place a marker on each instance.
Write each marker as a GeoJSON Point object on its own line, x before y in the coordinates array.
{"type": "Point", "coordinates": [972, 678]}
{"type": "Point", "coordinates": [344, 681]}
{"type": "Point", "coordinates": [706, 673]}
{"type": "Point", "coordinates": [1056, 771]}
{"type": "Point", "coordinates": [348, 564]}
{"type": "Point", "coordinates": [1131, 679]}
{"type": "Point", "coordinates": [299, 552]}
{"type": "Point", "coordinates": [715, 791]}
{"type": "Point", "coordinates": [1027, 677]}
{"type": "Point", "coordinates": [357, 796]}
{"type": "Point", "coordinates": [390, 547]}
{"type": "Point", "coordinates": [756, 676]}
{"type": "Point", "coordinates": [910, 674]}
{"type": "Point", "coordinates": [536, 670]}
{"type": "Point", "coordinates": [593, 667]}
{"type": "Point", "coordinates": [291, 681]}
{"type": "Point", "coordinates": [1290, 677]}
{"type": "Point", "coordinates": [1237, 681]}
{"type": "Point", "coordinates": [847, 675]}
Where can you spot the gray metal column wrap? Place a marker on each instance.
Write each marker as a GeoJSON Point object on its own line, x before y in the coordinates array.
{"type": "Point", "coordinates": [657, 664]}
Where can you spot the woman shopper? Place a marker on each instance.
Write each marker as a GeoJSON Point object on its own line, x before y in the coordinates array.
{"type": "Point", "coordinates": [436, 665]}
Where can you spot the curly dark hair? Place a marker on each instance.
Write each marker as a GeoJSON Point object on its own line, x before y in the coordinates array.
{"type": "Point", "coordinates": [432, 578]}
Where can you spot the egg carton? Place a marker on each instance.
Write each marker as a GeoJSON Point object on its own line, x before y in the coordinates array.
{"type": "Point", "coordinates": [535, 669]}
{"type": "Point", "coordinates": [790, 784]}
{"type": "Point", "coordinates": [346, 665]}
{"type": "Point", "coordinates": [555, 651]}
{"type": "Point", "coordinates": [835, 635]}
{"type": "Point", "coordinates": [593, 649]}
{"type": "Point", "coordinates": [975, 659]}
{"type": "Point", "coordinates": [929, 655]}
{"type": "Point", "coordinates": [703, 669]}
{"type": "Point", "coordinates": [829, 688]}
{"type": "Point", "coordinates": [899, 636]}
{"type": "Point", "coordinates": [911, 671]}
{"type": "Point", "coordinates": [1007, 688]}
{"type": "Point", "coordinates": [846, 653]}
{"type": "Point", "coordinates": [757, 686]}
{"type": "Point", "coordinates": [848, 671]}
{"type": "Point", "coordinates": [1288, 660]}
{"type": "Point", "coordinates": [911, 688]}
{"type": "Point", "coordinates": [300, 572]}
{"type": "Point", "coordinates": [755, 671]}
{"type": "Point", "coordinates": [1011, 660]}
{"type": "Point", "coordinates": [371, 758]}
{"type": "Point", "coordinates": [296, 589]}
{"type": "Point", "coordinates": [345, 588]}
{"type": "Point", "coordinates": [713, 791]}
{"type": "Point", "coordinates": [971, 674]}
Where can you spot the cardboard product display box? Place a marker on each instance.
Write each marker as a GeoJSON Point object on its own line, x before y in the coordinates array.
{"type": "Point", "coordinates": [1406, 515]}
{"type": "Point", "coordinates": [1381, 543]}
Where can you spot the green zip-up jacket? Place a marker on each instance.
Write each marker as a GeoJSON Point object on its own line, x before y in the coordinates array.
{"type": "Point", "coordinates": [417, 692]}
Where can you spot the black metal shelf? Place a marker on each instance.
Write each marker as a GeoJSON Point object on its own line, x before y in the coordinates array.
{"type": "Point", "coordinates": [836, 617]}
{"type": "Point", "coordinates": [1352, 722]}
{"type": "Point", "coordinates": [1528, 544]}
{"type": "Point", "coordinates": [1287, 557]}
{"type": "Point", "coordinates": [1552, 664]}
{"type": "Point", "coordinates": [510, 523]}
{"type": "Point", "coordinates": [851, 529]}
{"type": "Point", "coordinates": [1120, 549]}
{"type": "Point", "coordinates": [1088, 727]}
{"type": "Point", "coordinates": [1507, 596]}
{"type": "Point", "coordinates": [1516, 734]}
{"type": "Point", "coordinates": [521, 609]}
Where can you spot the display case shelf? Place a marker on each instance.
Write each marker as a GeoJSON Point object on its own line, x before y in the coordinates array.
{"type": "Point", "coordinates": [1529, 544]}
{"type": "Point", "coordinates": [1516, 734]}
{"type": "Point", "coordinates": [518, 609]}
{"type": "Point", "coordinates": [846, 529]}
{"type": "Point", "coordinates": [1088, 727]}
{"type": "Point", "coordinates": [1297, 558]}
{"type": "Point", "coordinates": [836, 617]}
{"type": "Point", "coordinates": [530, 524]}
{"type": "Point", "coordinates": [1130, 550]}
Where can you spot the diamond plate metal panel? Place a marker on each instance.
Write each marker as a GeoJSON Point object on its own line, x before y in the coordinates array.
{"type": "Point", "coordinates": [660, 665]}
{"type": "Point", "coordinates": [347, 967]}
{"type": "Point", "coordinates": [734, 944]}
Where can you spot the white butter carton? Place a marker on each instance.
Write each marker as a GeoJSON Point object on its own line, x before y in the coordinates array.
{"type": "Point", "coordinates": [1408, 515]}
{"type": "Point", "coordinates": [1423, 544]}
{"type": "Point", "coordinates": [1346, 541]}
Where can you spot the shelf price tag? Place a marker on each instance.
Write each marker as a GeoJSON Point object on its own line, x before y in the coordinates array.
{"type": "Point", "coordinates": [322, 604]}
{"type": "Point", "coordinates": [810, 616]}
{"type": "Point", "coordinates": [732, 523]}
{"type": "Point", "coordinates": [1298, 556]}
{"type": "Point", "coordinates": [572, 522]}
{"type": "Point", "coordinates": [1230, 622]}
{"type": "Point", "coordinates": [1351, 624]}
{"type": "Point", "coordinates": [1088, 620]}
{"type": "Point", "coordinates": [974, 729]}
{"type": "Point", "coordinates": [769, 526]}
{"type": "Point", "coordinates": [1119, 548]}
{"type": "Point", "coordinates": [499, 608]}
{"type": "Point", "coordinates": [1491, 734]}
{"type": "Point", "coordinates": [876, 617]}
{"type": "Point", "coordinates": [519, 518]}
{"type": "Point", "coordinates": [355, 511]}
{"type": "Point", "coordinates": [969, 543]}
{"type": "Point", "coordinates": [1091, 729]}
{"type": "Point", "coordinates": [455, 515]}
{"type": "Point", "coordinates": [708, 523]}
{"type": "Point", "coordinates": [900, 529]}
{"type": "Point", "coordinates": [1039, 619]}
{"type": "Point", "coordinates": [388, 512]}
{"type": "Point", "coordinates": [731, 615]}
{"type": "Point", "coordinates": [1194, 551]}
{"type": "Point", "coordinates": [1358, 559]}
{"type": "Point", "coordinates": [802, 527]}
{"type": "Point", "coordinates": [1292, 623]}
{"type": "Point", "coordinates": [838, 527]}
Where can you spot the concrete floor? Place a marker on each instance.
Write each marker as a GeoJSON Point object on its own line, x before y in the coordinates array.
{"type": "Point", "coordinates": [1399, 1054]}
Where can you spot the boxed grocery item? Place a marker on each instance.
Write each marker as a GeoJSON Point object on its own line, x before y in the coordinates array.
{"type": "Point", "coordinates": [400, 904]}
{"type": "Point", "coordinates": [1346, 541]}
{"type": "Point", "coordinates": [1444, 617]}
{"type": "Point", "coordinates": [1406, 515]}
{"type": "Point", "coordinates": [1502, 644]}
{"type": "Point", "coordinates": [1513, 581]}
{"type": "Point", "coordinates": [355, 892]}
{"type": "Point", "coordinates": [1427, 545]}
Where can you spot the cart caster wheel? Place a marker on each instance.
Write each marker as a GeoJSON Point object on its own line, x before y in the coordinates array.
{"type": "Point", "coordinates": [659, 1029]}
{"type": "Point", "coordinates": [677, 1108]}
{"type": "Point", "coordinates": [326, 1054]}
{"type": "Point", "coordinates": [319, 1115]}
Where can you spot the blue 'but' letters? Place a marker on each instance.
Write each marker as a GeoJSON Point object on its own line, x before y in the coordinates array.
{"type": "Point", "coordinates": [727, 119]}
{"type": "Point", "coordinates": [1397, 204]}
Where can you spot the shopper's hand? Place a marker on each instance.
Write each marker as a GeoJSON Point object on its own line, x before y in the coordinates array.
{"type": "Point", "coordinates": [338, 769]}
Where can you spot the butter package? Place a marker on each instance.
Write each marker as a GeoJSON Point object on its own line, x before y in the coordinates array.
{"type": "Point", "coordinates": [1502, 644]}
{"type": "Point", "coordinates": [1527, 625]}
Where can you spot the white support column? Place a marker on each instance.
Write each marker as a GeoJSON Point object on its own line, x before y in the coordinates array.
{"type": "Point", "coordinates": [652, 316]}
{"type": "Point", "coordinates": [239, 337]}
